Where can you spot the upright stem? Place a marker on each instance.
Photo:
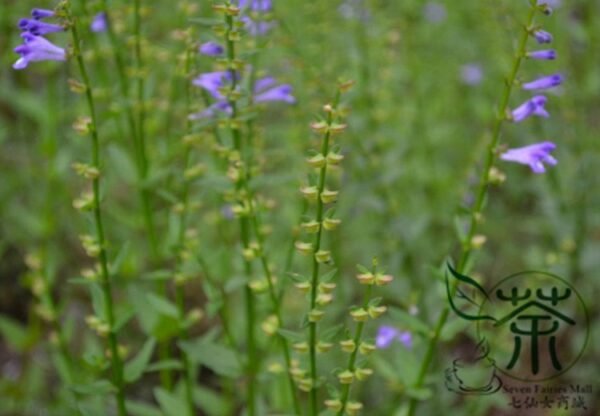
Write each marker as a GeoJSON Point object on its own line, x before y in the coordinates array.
{"type": "Point", "coordinates": [116, 362]}
{"type": "Point", "coordinates": [135, 118]}
{"type": "Point", "coordinates": [314, 410]}
{"type": "Point", "coordinates": [251, 365]}
{"type": "Point", "coordinates": [476, 212]}
{"type": "Point", "coordinates": [352, 360]}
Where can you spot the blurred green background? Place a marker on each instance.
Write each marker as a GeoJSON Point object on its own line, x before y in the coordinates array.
{"type": "Point", "coordinates": [428, 77]}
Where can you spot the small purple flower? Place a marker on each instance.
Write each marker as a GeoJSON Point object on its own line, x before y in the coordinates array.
{"type": "Point", "coordinates": [534, 155]}
{"type": "Point", "coordinates": [471, 74]}
{"type": "Point", "coordinates": [386, 335]}
{"type": "Point", "coordinates": [434, 12]}
{"type": "Point", "coordinates": [38, 28]}
{"type": "Point", "coordinates": [211, 49]}
{"type": "Point", "coordinates": [99, 23]}
{"type": "Point", "coordinates": [37, 48]}
{"type": "Point", "coordinates": [542, 36]}
{"type": "Point", "coordinates": [546, 54]}
{"type": "Point", "coordinates": [39, 14]}
{"type": "Point", "coordinates": [543, 83]}
{"type": "Point", "coordinates": [256, 5]}
{"type": "Point", "coordinates": [256, 28]}
{"type": "Point", "coordinates": [213, 82]}
{"type": "Point", "coordinates": [213, 110]}
{"type": "Point", "coordinates": [265, 90]}
{"type": "Point", "coordinates": [532, 107]}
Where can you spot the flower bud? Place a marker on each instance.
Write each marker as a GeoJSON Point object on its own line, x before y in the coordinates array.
{"type": "Point", "coordinates": [478, 241]}
{"type": "Point", "coordinates": [328, 197]}
{"type": "Point", "coordinates": [366, 278]}
{"type": "Point", "coordinates": [319, 126]}
{"type": "Point", "coordinates": [305, 384]}
{"type": "Point", "coordinates": [352, 408]}
{"type": "Point", "coordinates": [346, 377]}
{"type": "Point", "coordinates": [331, 224]}
{"type": "Point", "coordinates": [324, 299]}
{"type": "Point", "coordinates": [334, 405]}
{"type": "Point", "coordinates": [300, 347]}
{"type": "Point", "coordinates": [336, 128]}
{"type": "Point", "coordinates": [366, 348]}
{"type": "Point", "coordinates": [496, 176]}
{"type": "Point", "coordinates": [315, 315]}
{"type": "Point", "coordinates": [195, 315]}
{"type": "Point", "coordinates": [324, 346]}
{"type": "Point", "coordinates": [317, 161]}
{"type": "Point", "coordinates": [304, 287]}
{"type": "Point", "coordinates": [270, 325]}
{"type": "Point", "coordinates": [326, 287]}
{"type": "Point", "coordinates": [195, 171]}
{"type": "Point", "coordinates": [85, 170]}
{"type": "Point", "coordinates": [383, 279]}
{"type": "Point", "coordinates": [334, 158]}
{"type": "Point", "coordinates": [259, 285]}
{"type": "Point", "coordinates": [310, 192]}
{"type": "Point", "coordinates": [310, 227]}
{"type": "Point", "coordinates": [359, 315]}
{"type": "Point", "coordinates": [363, 373]}
{"type": "Point", "coordinates": [85, 202]}
{"type": "Point", "coordinates": [376, 311]}
{"type": "Point", "coordinates": [304, 248]}
{"type": "Point", "coordinates": [348, 345]}
{"type": "Point", "coordinates": [83, 125]}
{"type": "Point", "coordinates": [323, 256]}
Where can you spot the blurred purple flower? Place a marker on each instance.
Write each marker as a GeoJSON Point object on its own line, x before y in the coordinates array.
{"type": "Point", "coordinates": [256, 28]}
{"type": "Point", "coordinates": [213, 82]}
{"type": "Point", "coordinates": [211, 49]}
{"type": "Point", "coordinates": [534, 155]}
{"type": "Point", "coordinates": [532, 107]}
{"type": "Point", "coordinates": [99, 23]}
{"type": "Point", "coordinates": [354, 9]}
{"type": "Point", "coordinates": [256, 5]}
{"type": "Point", "coordinates": [39, 14]}
{"type": "Point", "coordinates": [543, 83]}
{"type": "Point", "coordinates": [386, 335]}
{"type": "Point", "coordinates": [546, 54]}
{"type": "Point", "coordinates": [37, 48]}
{"type": "Point", "coordinates": [213, 110]}
{"type": "Point", "coordinates": [542, 36]}
{"type": "Point", "coordinates": [552, 3]}
{"type": "Point", "coordinates": [38, 28]}
{"type": "Point", "coordinates": [434, 12]}
{"type": "Point", "coordinates": [265, 90]}
{"type": "Point", "coordinates": [471, 74]}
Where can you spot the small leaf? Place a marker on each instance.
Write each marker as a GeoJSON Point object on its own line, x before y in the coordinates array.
{"type": "Point", "coordinates": [162, 305]}
{"type": "Point", "coordinates": [135, 368]}
{"type": "Point", "coordinates": [14, 333]}
{"type": "Point", "coordinates": [141, 409]}
{"type": "Point", "coordinates": [164, 365]}
{"type": "Point", "coordinates": [170, 404]}
{"type": "Point", "coordinates": [96, 388]}
{"type": "Point", "coordinates": [220, 359]}
{"type": "Point", "coordinates": [421, 393]}
{"type": "Point", "coordinates": [98, 301]}
{"type": "Point", "coordinates": [330, 333]}
{"type": "Point", "coordinates": [291, 335]}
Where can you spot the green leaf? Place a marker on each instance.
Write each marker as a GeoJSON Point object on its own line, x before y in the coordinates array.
{"type": "Point", "coordinates": [162, 305]}
{"type": "Point", "coordinates": [170, 404]}
{"type": "Point", "coordinates": [422, 393]}
{"type": "Point", "coordinates": [136, 367]}
{"type": "Point", "coordinates": [211, 403]}
{"type": "Point", "coordinates": [96, 388]}
{"type": "Point", "coordinates": [141, 409]}
{"type": "Point", "coordinates": [220, 359]}
{"type": "Point", "coordinates": [123, 317]}
{"type": "Point", "coordinates": [14, 333]}
{"type": "Point", "coordinates": [164, 365]}
{"type": "Point", "coordinates": [291, 335]}
{"type": "Point", "coordinates": [330, 333]}
{"type": "Point", "coordinates": [98, 301]}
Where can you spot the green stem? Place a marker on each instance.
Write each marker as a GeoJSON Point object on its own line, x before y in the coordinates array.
{"type": "Point", "coordinates": [251, 366]}
{"type": "Point", "coordinates": [315, 266]}
{"type": "Point", "coordinates": [476, 212]}
{"type": "Point", "coordinates": [116, 361]}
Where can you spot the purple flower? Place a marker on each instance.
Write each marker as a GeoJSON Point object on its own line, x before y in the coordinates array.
{"type": "Point", "coordinates": [265, 90]}
{"type": "Point", "coordinates": [99, 23]}
{"type": "Point", "coordinates": [434, 12]}
{"type": "Point", "coordinates": [544, 83]}
{"type": "Point", "coordinates": [211, 49]}
{"type": "Point", "coordinates": [542, 36]}
{"type": "Point", "coordinates": [532, 107]}
{"type": "Point", "coordinates": [38, 28]}
{"type": "Point", "coordinates": [37, 48]}
{"type": "Point", "coordinates": [256, 5]}
{"type": "Point", "coordinates": [256, 28]}
{"type": "Point", "coordinates": [213, 110]}
{"type": "Point", "coordinates": [213, 82]}
{"type": "Point", "coordinates": [534, 155]}
{"type": "Point", "coordinates": [39, 14]}
{"type": "Point", "coordinates": [471, 74]}
{"type": "Point", "coordinates": [386, 335]}
{"type": "Point", "coordinates": [546, 54]}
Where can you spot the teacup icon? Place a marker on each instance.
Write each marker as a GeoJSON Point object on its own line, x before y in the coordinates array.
{"type": "Point", "coordinates": [478, 377]}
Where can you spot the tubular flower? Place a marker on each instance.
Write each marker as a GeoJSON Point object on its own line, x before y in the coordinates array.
{"type": "Point", "coordinates": [543, 83]}
{"type": "Point", "coordinates": [37, 48]}
{"type": "Point", "coordinates": [39, 14]}
{"type": "Point", "coordinates": [211, 49]}
{"type": "Point", "coordinates": [99, 23]}
{"type": "Point", "coordinates": [265, 90]}
{"type": "Point", "coordinates": [534, 155]}
{"type": "Point", "coordinates": [532, 107]}
{"type": "Point", "coordinates": [38, 28]}
{"type": "Point", "coordinates": [213, 82]}
{"type": "Point", "coordinates": [386, 335]}
{"type": "Point", "coordinates": [546, 54]}
{"type": "Point", "coordinates": [542, 36]}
